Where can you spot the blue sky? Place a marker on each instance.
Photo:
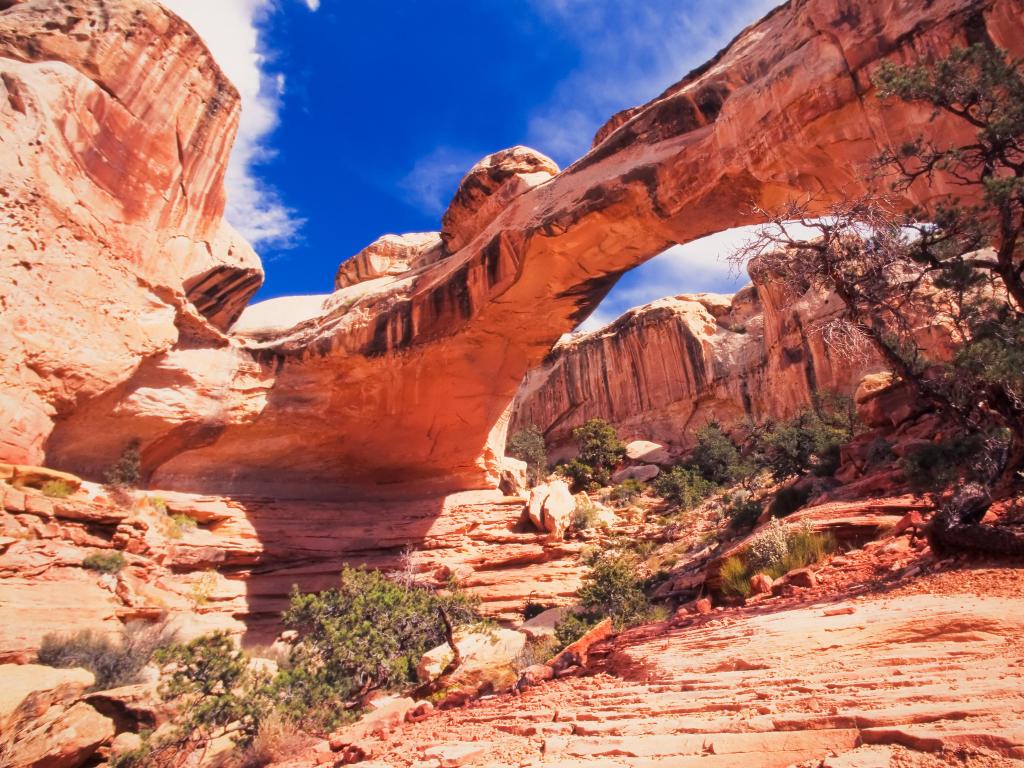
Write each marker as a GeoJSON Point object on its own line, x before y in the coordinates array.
{"type": "Point", "coordinates": [359, 119]}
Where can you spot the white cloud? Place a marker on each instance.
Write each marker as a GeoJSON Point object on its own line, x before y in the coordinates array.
{"type": "Point", "coordinates": [313, 5]}
{"type": "Point", "coordinates": [700, 266]}
{"type": "Point", "coordinates": [629, 53]}
{"type": "Point", "coordinates": [432, 181]}
{"type": "Point", "coordinates": [231, 30]}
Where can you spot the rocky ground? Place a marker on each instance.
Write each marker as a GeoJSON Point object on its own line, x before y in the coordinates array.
{"type": "Point", "coordinates": [878, 665]}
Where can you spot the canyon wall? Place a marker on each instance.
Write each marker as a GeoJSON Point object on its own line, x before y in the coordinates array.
{"type": "Point", "coordinates": [663, 370]}
{"type": "Point", "coordinates": [116, 127]}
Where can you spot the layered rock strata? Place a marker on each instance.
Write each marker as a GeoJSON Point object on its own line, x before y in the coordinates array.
{"type": "Point", "coordinates": [407, 377]}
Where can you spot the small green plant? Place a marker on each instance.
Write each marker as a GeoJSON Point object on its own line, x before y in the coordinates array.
{"type": "Point", "coordinates": [528, 445]}
{"type": "Point", "coordinates": [810, 441]}
{"type": "Point", "coordinates": [600, 451]}
{"type": "Point", "coordinates": [104, 562]}
{"type": "Point", "coordinates": [584, 515]}
{"type": "Point", "coordinates": [57, 489]}
{"type": "Point", "coordinates": [158, 504]}
{"type": "Point", "coordinates": [742, 510]}
{"type": "Point", "coordinates": [933, 467]}
{"type": "Point", "coordinates": [202, 589]}
{"type": "Point", "coordinates": [113, 662]}
{"type": "Point", "coordinates": [787, 501]}
{"type": "Point", "coordinates": [537, 651]}
{"type": "Point", "coordinates": [627, 491]}
{"type": "Point", "coordinates": [683, 487]}
{"type": "Point", "coordinates": [127, 470]}
{"type": "Point", "coordinates": [180, 524]}
{"type": "Point", "coordinates": [768, 548]}
{"type": "Point", "coordinates": [805, 547]}
{"type": "Point", "coordinates": [213, 687]}
{"type": "Point", "coordinates": [571, 628]}
{"type": "Point", "coordinates": [735, 578]}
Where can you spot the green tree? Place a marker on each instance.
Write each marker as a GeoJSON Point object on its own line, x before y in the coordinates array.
{"type": "Point", "coordinates": [366, 634]}
{"type": "Point", "coordinates": [528, 445]}
{"type": "Point", "coordinates": [600, 451]}
{"type": "Point", "coordinates": [809, 441]}
{"type": "Point", "coordinates": [717, 457]}
{"type": "Point", "coordinates": [892, 283]}
{"type": "Point", "coordinates": [683, 487]}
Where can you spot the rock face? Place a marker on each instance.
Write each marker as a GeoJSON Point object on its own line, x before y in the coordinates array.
{"type": "Point", "coordinates": [116, 127]}
{"type": "Point", "coordinates": [663, 370]}
{"type": "Point", "coordinates": [402, 378]}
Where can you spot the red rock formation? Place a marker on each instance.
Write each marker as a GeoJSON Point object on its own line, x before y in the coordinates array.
{"type": "Point", "coordinates": [116, 126]}
{"type": "Point", "coordinates": [405, 380]}
{"type": "Point", "coordinates": [664, 370]}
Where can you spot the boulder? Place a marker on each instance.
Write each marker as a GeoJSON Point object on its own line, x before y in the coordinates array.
{"type": "Point", "coordinates": [489, 657]}
{"type": "Point", "coordinates": [761, 583]}
{"type": "Point", "coordinates": [543, 624]}
{"type": "Point", "coordinates": [882, 400]}
{"type": "Point", "coordinates": [389, 256]}
{"type": "Point", "coordinates": [643, 473]}
{"type": "Point", "coordinates": [551, 507]}
{"type": "Point", "coordinates": [647, 452]}
{"type": "Point", "coordinates": [381, 721]}
{"type": "Point", "coordinates": [23, 476]}
{"type": "Point", "coordinates": [576, 653]}
{"type": "Point", "coordinates": [513, 477]}
{"type": "Point", "coordinates": [61, 739]}
{"type": "Point", "coordinates": [488, 188]}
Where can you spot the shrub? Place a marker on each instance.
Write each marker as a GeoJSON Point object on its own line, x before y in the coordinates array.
{"type": "Point", "coordinates": [742, 510]}
{"type": "Point", "coordinates": [366, 634]}
{"type": "Point", "coordinates": [113, 662]}
{"type": "Point", "coordinates": [683, 487]}
{"type": "Point", "coordinates": [104, 562]}
{"type": "Point", "coordinates": [717, 457]}
{"type": "Point", "coordinates": [787, 501]}
{"type": "Point", "coordinates": [581, 477]}
{"type": "Point", "coordinates": [584, 515]}
{"type": "Point", "coordinates": [571, 628]}
{"type": "Point", "coordinates": [767, 548]}
{"type": "Point", "coordinates": [613, 589]}
{"type": "Point", "coordinates": [626, 491]}
{"type": "Point", "coordinates": [127, 470]}
{"type": "Point", "coordinates": [276, 740]}
{"type": "Point", "coordinates": [879, 452]}
{"type": "Point", "coordinates": [809, 441]}
{"type": "Point", "coordinates": [804, 547]}
{"type": "Point", "coordinates": [57, 489]}
{"type": "Point", "coordinates": [599, 449]}
{"type": "Point", "coordinates": [213, 686]}
{"type": "Point", "coordinates": [933, 467]}
{"type": "Point", "coordinates": [735, 578]}
{"type": "Point", "coordinates": [528, 445]}
{"type": "Point", "coordinates": [537, 651]}
{"type": "Point", "coordinates": [179, 524]}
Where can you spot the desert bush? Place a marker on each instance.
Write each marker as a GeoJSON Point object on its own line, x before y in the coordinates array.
{"type": "Point", "coordinates": [879, 451]}
{"type": "Point", "coordinates": [932, 467]}
{"type": "Point", "coordinates": [735, 578]}
{"type": "Point", "coordinates": [742, 510]}
{"type": "Point", "coordinates": [528, 445]}
{"type": "Point", "coordinates": [213, 687]}
{"type": "Point", "coordinates": [179, 524]}
{"type": "Point", "coordinates": [127, 470]}
{"type": "Point", "coordinates": [811, 440]}
{"type": "Point", "coordinates": [717, 457]}
{"type": "Point", "coordinates": [626, 491]}
{"type": "Point", "coordinates": [57, 489]}
{"type": "Point", "coordinates": [571, 628]}
{"type": "Point", "coordinates": [104, 562]}
{"type": "Point", "coordinates": [600, 451]}
{"type": "Point", "coordinates": [805, 547]}
{"type": "Point", "coordinates": [114, 662]}
{"type": "Point", "coordinates": [276, 739]}
{"type": "Point", "coordinates": [787, 501]}
{"type": "Point", "coordinates": [584, 515]}
{"type": "Point", "coordinates": [537, 651]}
{"type": "Point", "coordinates": [366, 634]}
{"type": "Point", "coordinates": [767, 548]}
{"type": "Point", "coordinates": [613, 589]}
{"type": "Point", "coordinates": [683, 487]}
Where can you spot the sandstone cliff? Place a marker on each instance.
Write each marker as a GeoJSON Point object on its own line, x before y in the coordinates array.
{"type": "Point", "coordinates": [114, 155]}
{"type": "Point", "coordinates": [663, 370]}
